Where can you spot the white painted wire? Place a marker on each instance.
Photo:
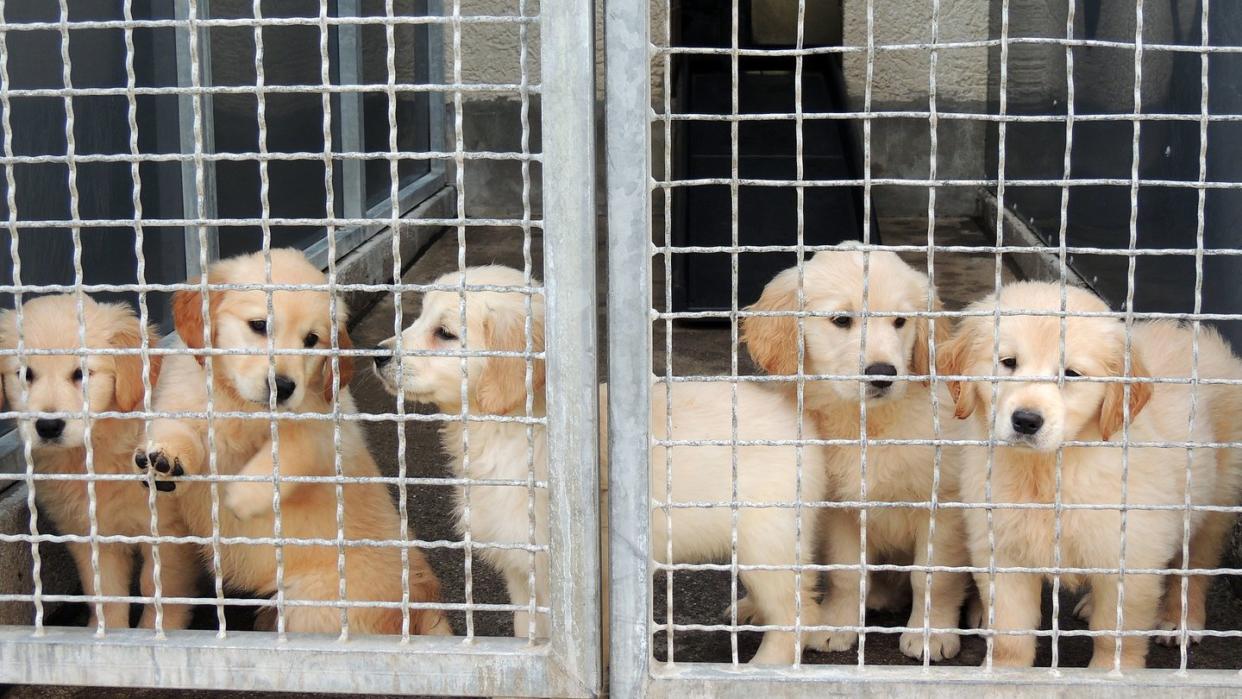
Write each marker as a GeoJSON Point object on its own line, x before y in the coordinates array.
{"type": "Point", "coordinates": [734, 511]}
{"type": "Point", "coordinates": [800, 367]}
{"type": "Point", "coordinates": [335, 313]}
{"type": "Point", "coordinates": [1129, 323]}
{"type": "Point", "coordinates": [143, 314]}
{"type": "Point", "coordinates": [191, 27]}
{"type": "Point", "coordinates": [460, 182]}
{"type": "Point", "coordinates": [92, 502]}
{"type": "Point", "coordinates": [668, 340]}
{"type": "Point", "coordinates": [1184, 582]}
{"type": "Point", "coordinates": [862, 347]}
{"type": "Point", "coordinates": [1063, 268]}
{"type": "Point", "coordinates": [996, 288]}
{"type": "Point", "coordinates": [933, 126]}
{"type": "Point", "coordinates": [32, 506]}
{"type": "Point", "coordinates": [532, 582]}
{"type": "Point", "coordinates": [398, 325]}
{"type": "Point", "coordinates": [269, 317]}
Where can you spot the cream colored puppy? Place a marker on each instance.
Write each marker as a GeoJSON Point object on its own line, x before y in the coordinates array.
{"type": "Point", "coordinates": [495, 321]}
{"type": "Point", "coordinates": [896, 345]}
{"type": "Point", "coordinates": [54, 383]}
{"type": "Point", "coordinates": [303, 384]}
{"type": "Point", "coordinates": [1033, 416]}
{"type": "Point", "coordinates": [497, 450]}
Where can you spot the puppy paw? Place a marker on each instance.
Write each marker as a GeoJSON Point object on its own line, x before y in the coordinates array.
{"type": "Point", "coordinates": [248, 500]}
{"type": "Point", "coordinates": [1194, 634]}
{"type": "Point", "coordinates": [1085, 606]}
{"type": "Point", "coordinates": [836, 613]}
{"type": "Point", "coordinates": [163, 464]}
{"type": "Point", "coordinates": [940, 646]}
{"type": "Point", "coordinates": [832, 641]}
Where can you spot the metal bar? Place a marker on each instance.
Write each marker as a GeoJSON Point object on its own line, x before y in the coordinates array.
{"type": "Point", "coordinates": [350, 123]}
{"type": "Point", "coordinates": [725, 681]}
{"type": "Point", "coordinates": [251, 661]}
{"type": "Point", "coordinates": [628, 152]}
{"type": "Point", "coordinates": [185, 106]}
{"type": "Point", "coordinates": [566, 31]}
{"type": "Point", "coordinates": [435, 74]}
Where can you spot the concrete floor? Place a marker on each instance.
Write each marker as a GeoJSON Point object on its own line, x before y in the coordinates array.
{"type": "Point", "coordinates": [699, 597]}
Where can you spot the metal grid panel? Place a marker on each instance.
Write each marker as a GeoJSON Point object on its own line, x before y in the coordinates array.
{"type": "Point", "coordinates": [566, 663]}
{"type": "Point", "coordinates": [640, 53]}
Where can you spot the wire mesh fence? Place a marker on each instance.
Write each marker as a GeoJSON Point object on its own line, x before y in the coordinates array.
{"type": "Point", "coordinates": [1003, 485]}
{"type": "Point", "coordinates": [824, 458]}
{"type": "Point", "coordinates": [309, 157]}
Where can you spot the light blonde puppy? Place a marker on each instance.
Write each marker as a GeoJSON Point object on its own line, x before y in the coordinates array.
{"type": "Point", "coordinates": [495, 386]}
{"type": "Point", "coordinates": [54, 383]}
{"type": "Point", "coordinates": [1033, 418]}
{"type": "Point", "coordinates": [303, 384]}
{"type": "Point", "coordinates": [700, 474]}
{"type": "Point", "coordinates": [896, 345]}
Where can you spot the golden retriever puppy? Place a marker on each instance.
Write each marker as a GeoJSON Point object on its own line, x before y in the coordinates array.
{"type": "Point", "coordinates": [495, 321]}
{"type": "Point", "coordinates": [238, 320]}
{"type": "Point", "coordinates": [1034, 415]}
{"type": "Point", "coordinates": [55, 383]}
{"type": "Point", "coordinates": [895, 346]}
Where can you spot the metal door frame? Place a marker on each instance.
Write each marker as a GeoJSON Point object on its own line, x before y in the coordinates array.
{"type": "Point", "coordinates": [568, 664]}
{"type": "Point", "coordinates": [633, 671]}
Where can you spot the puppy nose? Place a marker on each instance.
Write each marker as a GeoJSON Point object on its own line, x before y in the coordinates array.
{"type": "Point", "coordinates": [1027, 422]}
{"type": "Point", "coordinates": [881, 370]}
{"type": "Point", "coordinates": [49, 429]}
{"type": "Point", "coordinates": [284, 388]}
{"type": "Point", "coordinates": [382, 359]}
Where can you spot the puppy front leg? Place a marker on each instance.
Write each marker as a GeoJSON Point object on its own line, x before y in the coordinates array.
{"type": "Point", "coordinates": [179, 567]}
{"type": "Point", "coordinates": [1016, 606]}
{"type": "Point", "coordinates": [842, 537]}
{"type": "Point", "coordinates": [1139, 611]}
{"type": "Point", "coordinates": [301, 453]}
{"type": "Point", "coordinates": [116, 568]}
{"type": "Point", "coordinates": [1206, 545]}
{"type": "Point", "coordinates": [947, 590]}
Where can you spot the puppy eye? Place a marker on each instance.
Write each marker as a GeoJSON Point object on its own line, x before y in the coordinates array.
{"type": "Point", "coordinates": [30, 375]}
{"type": "Point", "coordinates": [843, 321]}
{"type": "Point", "coordinates": [1071, 374]}
{"type": "Point", "coordinates": [899, 323]}
{"type": "Point", "coordinates": [1009, 362]}
{"type": "Point", "coordinates": [77, 375]}
{"type": "Point", "coordinates": [443, 334]}
{"type": "Point", "coordinates": [310, 340]}
{"type": "Point", "coordinates": [258, 326]}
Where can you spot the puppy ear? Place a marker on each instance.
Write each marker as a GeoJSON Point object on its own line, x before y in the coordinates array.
{"type": "Point", "coordinates": [127, 334]}
{"type": "Point", "coordinates": [187, 312]}
{"type": "Point", "coordinates": [953, 359]}
{"type": "Point", "coordinates": [502, 386]}
{"type": "Point", "coordinates": [920, 361]}
{"type": "Point", "coordinates": [1112, 411]}
{"type": "Point", "coordinates": [773, 340]}
{"type": "Point", "coordinates": [345, 364]}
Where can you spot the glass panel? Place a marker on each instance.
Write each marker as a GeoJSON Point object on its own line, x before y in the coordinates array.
{"type": "Point", "coordinates": [412, 67]}
{"type": "Point", "coordinates": [105, 190]}
{"type": "Point", "coordinates": [294, 125]}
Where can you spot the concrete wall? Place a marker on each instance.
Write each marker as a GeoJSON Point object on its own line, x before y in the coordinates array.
{"type": "Point", "coordinates": [900, 147]}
